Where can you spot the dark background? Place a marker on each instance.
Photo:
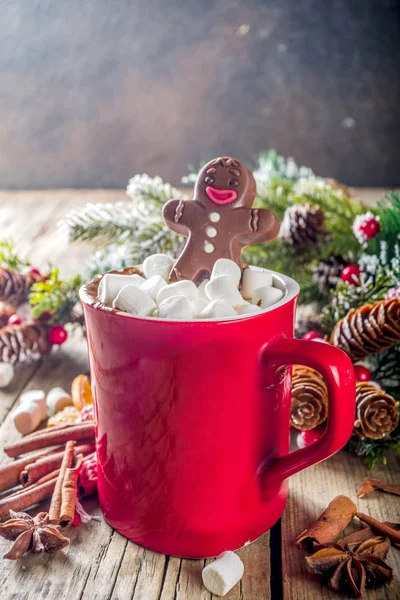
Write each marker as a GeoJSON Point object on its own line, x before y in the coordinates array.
{"type": "Point", "coordinates": [93, 91]}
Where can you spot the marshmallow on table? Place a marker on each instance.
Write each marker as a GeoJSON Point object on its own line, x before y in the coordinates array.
{"type": "Point", "coordinates": [176, 307]}
{"type": "Point", "coordinates": [252, 280]}
{"type": "Point", "coordinates": [37, 397]}
{"type": "Point", "coordinates": [223, 287]}
{"type": "Point", "coordinates": [221, 575]}
{"type": "Point", "coordinates": [266, 296]}
{"type": "Point", "coordinates": [199, 304]}
{"type": "Point", "coordinates": [179, 288]}
{"type": "Point", "coordinates": [6, 374]}
{"type": "Point", "coordinates": [158, 264]}
{"type": "Point", "coordinates": [225, 266]}
{"type": "Point", "coordinates": [134, 301]}
{"type": "Point", "coordinates": [248, 309]}
{"type": "Point", "coordinates": [152, 286]}
{"type": "Point", "coordinates": [112, 283]}
{"type": "Point", "coordinates": [30, 412]}
{"type": "Point", "coordinates": [56, 400]}
{"type": "Point", "coordinates": [218, 309]}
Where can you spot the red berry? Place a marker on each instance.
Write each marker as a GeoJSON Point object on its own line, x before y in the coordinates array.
{"type": "Point", "coordinates": [14, 320]}
{"type": "Point", "coordinates": [312, 335]}
{"type": "Point", "coordinates": [370, 228]}
{"type": "Point", "coordinates": [362, 373]}
{"type": "Point", "coordinates": [57, 335]}
{"type": "Point", "coordinates": [34, 271]}
{"type": "Point", "coordinates": [305, 438]}
{"type": "Point", "coordinates": [45, 316]}
{"type": "Point", "coordinates": [351, 274]}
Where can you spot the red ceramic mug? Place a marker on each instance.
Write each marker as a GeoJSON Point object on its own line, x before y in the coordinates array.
{"type": "Point", "coordinates": [192, 422]}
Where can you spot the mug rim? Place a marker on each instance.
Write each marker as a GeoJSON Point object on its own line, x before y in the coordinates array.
{"type": "Point", "coordinates": [289, 286]}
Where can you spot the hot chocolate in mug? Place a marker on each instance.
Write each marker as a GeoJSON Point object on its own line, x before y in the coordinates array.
{"type": "Point", "coordinates": [192, 422]}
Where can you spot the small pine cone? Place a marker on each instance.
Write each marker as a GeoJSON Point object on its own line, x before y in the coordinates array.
{"type": "Point", "coordinates": [15, 286]}
{"type": "Point", "coordinates": [326, 273]}
{"type": "Point", "coordinates": [5, 313]}
{"type": "Point", "coordinates": [309, 398]}
{"type": "Point", "coordinates": [368, 329]}
{"type": "Point", "coordinates": [23, 343]}
{"type": "Point", "coordinates": [302, 225]}
{"type": "Point", "coordinates": [376, 412]}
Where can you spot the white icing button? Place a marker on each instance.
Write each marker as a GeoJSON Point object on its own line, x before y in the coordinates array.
{"type": "Point", "coordinates": [211, 232]}
{"type": "Point", "coordinates": [215, 217]}
{"type": "Point", "coordinates": [209, 248]}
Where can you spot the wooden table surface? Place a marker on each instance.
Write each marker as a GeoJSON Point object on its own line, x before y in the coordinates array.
{"type": "Point", "coordinates": [101, 564]}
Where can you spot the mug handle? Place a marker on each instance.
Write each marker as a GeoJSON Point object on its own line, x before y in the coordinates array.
{"type": "Point", "coordinates": [338, 372]}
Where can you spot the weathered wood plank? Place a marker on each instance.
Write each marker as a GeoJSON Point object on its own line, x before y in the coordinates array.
{"type": "Point", "coordinates": [310, 493]}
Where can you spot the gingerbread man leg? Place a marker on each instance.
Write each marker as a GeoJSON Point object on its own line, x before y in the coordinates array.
{"type": "Point", "coordinates": [187, 267]}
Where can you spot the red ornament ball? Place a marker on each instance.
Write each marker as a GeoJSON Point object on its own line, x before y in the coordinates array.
{"type": "Point", "coordinates": [370, 228]}
{"type": "Point", "coordinates": [57, 335]}
{"type": "Point", "coordinates": [312, 335]}
{"type": "Point", "coordinates": [14, 320]}
{"type": "Point", "coordinates": [351, 274]}
{"type": "Point", "coordinates": [34, 271]}
{"type": "Point", "coordinates": [305, 438]}
{"type": "Point", "coordinates": [362, 373]}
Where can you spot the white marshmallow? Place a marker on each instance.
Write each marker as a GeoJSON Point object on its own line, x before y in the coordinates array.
{"type": "Point", "coordinates": [221, 575]}
{"type": "Point", "coordinates": [57, 399]}
{"type": "Point", "coordinates": [266, 296]}
{"type": "Point", "coordinates": [201, 290]}
{"type": "Point", "coordinates": [179, 288]}
{"type": "Point", "coordinates": [135, 302]}
{"type": "Point", "coordinates": [252, 280]}
{"type": "Point", "coordinates": [158, 264]}
{"type": "Point", "coordinates": [225, 266]}
{"type": "Point", "coordinates": [176, 307]}
{"type": "Point", "coordinates": [36, 397]}
{"type": "Point", "coordinates": [199, 304]}
{"type": "Point", "coordinates": [218, 309]}
{"type": "Point", "coordinates": [224, 288]}
{"type": "Point", "coordinates": [112, 283]}
{"type": "Point", "coordinates": [27, 417]}
{"type": "Point", "coordinates": [248, 309]}
{"type": "Point", "coordinates": [6, 374]}
{"type": "Point", "coordinates": [152, 286]}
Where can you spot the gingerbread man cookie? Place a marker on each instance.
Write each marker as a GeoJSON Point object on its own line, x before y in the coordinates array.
{"type": "Point", "coordinates": [220, 221]}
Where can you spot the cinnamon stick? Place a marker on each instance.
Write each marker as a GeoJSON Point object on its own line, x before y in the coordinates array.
{"type": "Point", "coordinates": [56, 500]}
{"type": "Point", "coordinates": [51, 437]}
{"type": "Point", "coordinates": [37, 469]}
{"type": "Point", "coordinates": [9, 473]}
{"type": "Point", "coordinates": [369, 484]}
{"type": "Point", "coordinates": [384, 529]}
{"type": "Point", "coordinates": [69, 494]}
{"type": "Point", "coordinates": [27, 497]}
{"type": "Point", "coordinates": [329, 524]}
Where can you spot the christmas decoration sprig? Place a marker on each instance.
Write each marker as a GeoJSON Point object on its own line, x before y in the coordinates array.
{"type": "Point", "coordinates": [56, 299]}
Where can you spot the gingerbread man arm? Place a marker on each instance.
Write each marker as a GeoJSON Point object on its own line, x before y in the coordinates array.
{"type": "Point", "coordinates": [263, 226]}
{"type": "Point", "coordinates": [179, 215]}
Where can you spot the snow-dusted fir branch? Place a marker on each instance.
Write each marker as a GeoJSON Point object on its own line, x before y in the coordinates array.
{"type": "Point", "coordinates": [273, 166]}
{"type": "Point", "coordinates": [149, 194]}
{"type": "Point", "coordinates": [100, 223]}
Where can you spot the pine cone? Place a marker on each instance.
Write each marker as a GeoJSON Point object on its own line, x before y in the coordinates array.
{"type": "Point", "coordinates": [5, 314]}
{"type": "Point", "coordinates": [302, 225]}
{"type": "Point", "coordinates": [309, 398]}
{"type": "Point", "coordinates": [368, 329]}
{"type": "Point", "coordinates": [376, 412]}
{"type": "Point", "coordinates": [15, 286]}
{"type": "Point", "coordinates": [327, 272]}
{"type": "Point", "coordinates": [23, 343]}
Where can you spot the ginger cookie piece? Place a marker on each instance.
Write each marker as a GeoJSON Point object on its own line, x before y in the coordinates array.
{"type": "Point", "coordinates": [220, 221]}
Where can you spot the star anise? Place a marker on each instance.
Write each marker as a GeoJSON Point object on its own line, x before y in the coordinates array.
{"type": "Point", "coordinates": [351, 569]}
{"type": "Point", "coordinates": [34, 534]}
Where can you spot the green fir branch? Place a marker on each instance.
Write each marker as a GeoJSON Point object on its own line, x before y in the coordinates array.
{"type": "Point", "coordinates": [56, 298]}
{"type": "Point", "coordinates": [374, 452]}
{"type": "Point", "coordinates": [9, 259]}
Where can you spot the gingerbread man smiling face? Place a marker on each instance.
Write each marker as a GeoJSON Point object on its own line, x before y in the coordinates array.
{"type": "Point", "coordinates": [220, 221]}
